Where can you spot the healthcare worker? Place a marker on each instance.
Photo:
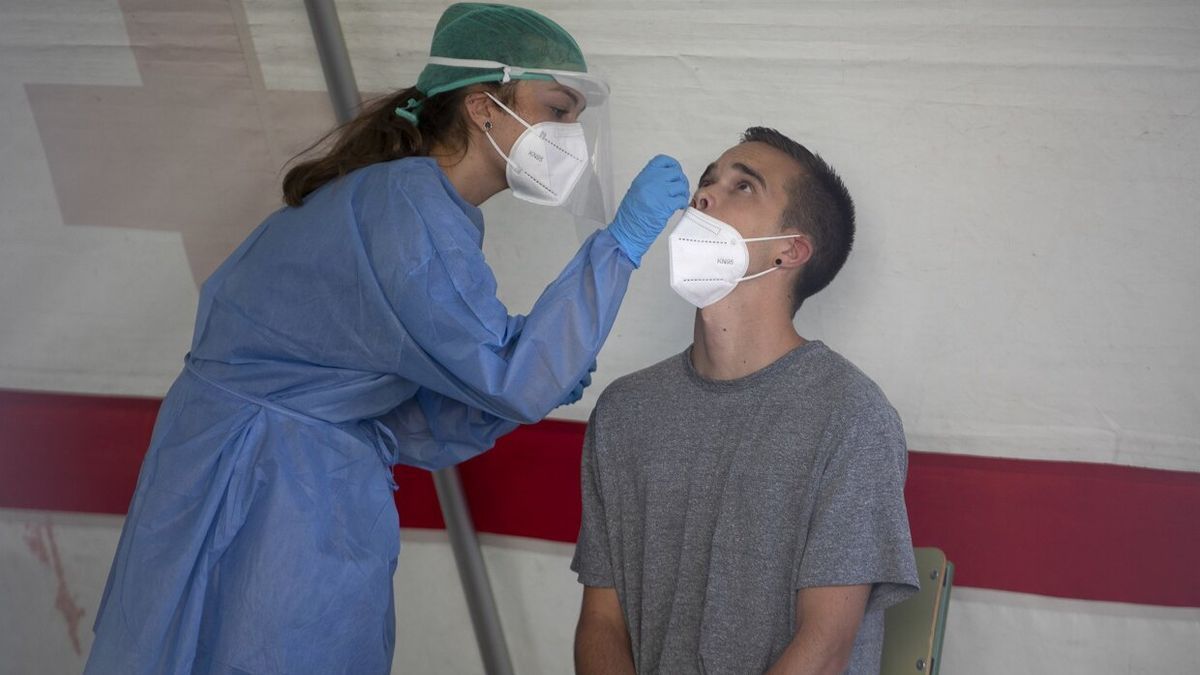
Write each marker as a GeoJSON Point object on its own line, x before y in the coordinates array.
{"type": "Point", "coordinates": [356, 328]}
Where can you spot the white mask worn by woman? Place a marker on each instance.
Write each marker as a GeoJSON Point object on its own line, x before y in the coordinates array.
{"type": "Point", "coordinates": [546, 160]}
{"type": "Point", "coordinates": [709, 258]}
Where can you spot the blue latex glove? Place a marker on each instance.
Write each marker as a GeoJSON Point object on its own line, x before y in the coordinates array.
{"type": "Point", "coordinates": [577, 393]}
{"type": "Point", "coordinates": [656, 194]}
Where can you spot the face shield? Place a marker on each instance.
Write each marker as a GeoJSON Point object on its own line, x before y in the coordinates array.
{"type": "Point", "coordinates": [591, 204]}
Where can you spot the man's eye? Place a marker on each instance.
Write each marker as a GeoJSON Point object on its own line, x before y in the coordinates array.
{"type": "Point", "coordinates": [559, 112]}
{"type": "Point", "coordinates": [745, 186]}
{"type": "Point", "coordinates": [704, 182]}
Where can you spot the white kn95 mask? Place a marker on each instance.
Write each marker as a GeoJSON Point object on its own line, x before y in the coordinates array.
{"type": "Point", "coordinates": [709, 258]}
{"type": "Point", "coordinates": [546, 160]}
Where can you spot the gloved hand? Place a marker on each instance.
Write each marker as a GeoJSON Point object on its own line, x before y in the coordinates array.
{"type": "Point", "coordinates": [577, 392]}
{"type": "Point", "coordinates": [659, 191]}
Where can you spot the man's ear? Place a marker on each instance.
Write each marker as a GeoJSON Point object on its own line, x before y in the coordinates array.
{"type": "Point", "coordinates": [798, 252]}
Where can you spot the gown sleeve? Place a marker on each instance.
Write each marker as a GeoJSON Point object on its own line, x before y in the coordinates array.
{"type": "Point", "coordinates": [439, 432]}
{"type": "Point", "coordinates": [462, 343]}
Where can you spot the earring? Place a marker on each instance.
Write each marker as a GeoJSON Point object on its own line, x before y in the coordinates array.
{"type": "Point", "coordinates": [779, 261]}
{"type": "Point", "coordinates": [487, 125]}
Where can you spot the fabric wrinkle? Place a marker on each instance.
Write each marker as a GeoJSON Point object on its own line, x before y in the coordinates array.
{"type": "Point", "coordinates": [305, 379]}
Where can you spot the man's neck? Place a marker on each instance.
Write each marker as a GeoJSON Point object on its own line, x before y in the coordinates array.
{"type": "Point", "coordinates": [734, 338]}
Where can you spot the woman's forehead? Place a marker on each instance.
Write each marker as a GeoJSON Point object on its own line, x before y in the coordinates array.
{"type": "Point", "coordinates": [547, 88]}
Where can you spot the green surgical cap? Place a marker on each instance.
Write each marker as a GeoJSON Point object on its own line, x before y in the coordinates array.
{"type": "Point", "coordinates": [510, 35]}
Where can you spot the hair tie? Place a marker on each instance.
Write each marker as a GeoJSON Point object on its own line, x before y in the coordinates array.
{"type": "Point", "coordinates": [410, 110]}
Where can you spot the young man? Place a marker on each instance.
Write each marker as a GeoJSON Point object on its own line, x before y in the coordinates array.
{"type": "Point", "coordinates": [743, 506]}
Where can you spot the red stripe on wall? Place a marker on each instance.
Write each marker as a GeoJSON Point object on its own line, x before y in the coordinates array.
{"type": "Point", "coordinates": [1075, 530]}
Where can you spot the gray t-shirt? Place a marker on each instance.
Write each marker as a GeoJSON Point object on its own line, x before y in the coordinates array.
{"type": "Point", "coordinates": [707, 504]}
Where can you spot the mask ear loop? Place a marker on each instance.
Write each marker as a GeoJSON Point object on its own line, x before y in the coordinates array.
{"type": "Point", "coordinates": [508, 110]}
{"type": "Point", "coordinates": [487, 130]}
{"type": "Point", "coordinates": [748, 277]}
{"type": "Point", "coordinates": [769, 269]}
{"type": "Point", "coordinates": [778, 236]}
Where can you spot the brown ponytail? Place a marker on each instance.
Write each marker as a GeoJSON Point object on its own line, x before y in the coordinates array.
{"type": "Point", "coordinates": [377, 134]}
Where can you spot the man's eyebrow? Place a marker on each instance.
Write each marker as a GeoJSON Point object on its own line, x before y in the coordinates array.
{"type": "Point", "coordinates": [750, 172]}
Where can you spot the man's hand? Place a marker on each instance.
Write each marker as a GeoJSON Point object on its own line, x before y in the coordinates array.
{"type": "Point", "coordinates": [601, 639]}
{"type": "Point", "coordinates": [827, 620]}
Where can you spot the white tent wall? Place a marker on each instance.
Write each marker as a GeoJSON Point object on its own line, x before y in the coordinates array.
{"type": "Point", "coordinates": [1025, 282]}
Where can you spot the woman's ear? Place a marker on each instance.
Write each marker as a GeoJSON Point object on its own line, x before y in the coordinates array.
{"type": "Point", "coordinates": [479, 109]}
{"type": "Point", "coordinates": [798, 252]}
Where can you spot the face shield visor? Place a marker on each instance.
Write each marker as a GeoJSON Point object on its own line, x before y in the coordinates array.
{"type": "Point", "coordinates": [591, 204]}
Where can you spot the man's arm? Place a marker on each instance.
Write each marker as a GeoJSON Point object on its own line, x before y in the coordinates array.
{"type": "Point", "coordinates": [827, 620]}
{"type": "Point", "coordinates": [601, 639]}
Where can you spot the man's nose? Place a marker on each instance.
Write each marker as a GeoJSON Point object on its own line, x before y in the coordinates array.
{"type": "Point", "coordinates": [702, 200]}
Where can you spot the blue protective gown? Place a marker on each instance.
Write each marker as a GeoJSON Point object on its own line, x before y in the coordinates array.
{"type": "Point", "coordinates": [357, 331]}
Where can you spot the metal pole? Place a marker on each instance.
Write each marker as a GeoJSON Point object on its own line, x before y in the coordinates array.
{"type": "Point", "coordinates": [335, 60]}
{"type": "Point", "coordinates": [473, 572]}
{"type": "Point", "coordinates": [343, 92]}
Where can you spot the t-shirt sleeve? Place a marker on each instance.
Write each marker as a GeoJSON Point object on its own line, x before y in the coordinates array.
{"type": "Point", "coordinates": [859, 530]}
{"type": "Point", "coordinates": [592, 561]}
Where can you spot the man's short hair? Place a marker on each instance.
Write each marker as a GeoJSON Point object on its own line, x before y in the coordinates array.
{"type": "Point", "coordinates": [820, 206]}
